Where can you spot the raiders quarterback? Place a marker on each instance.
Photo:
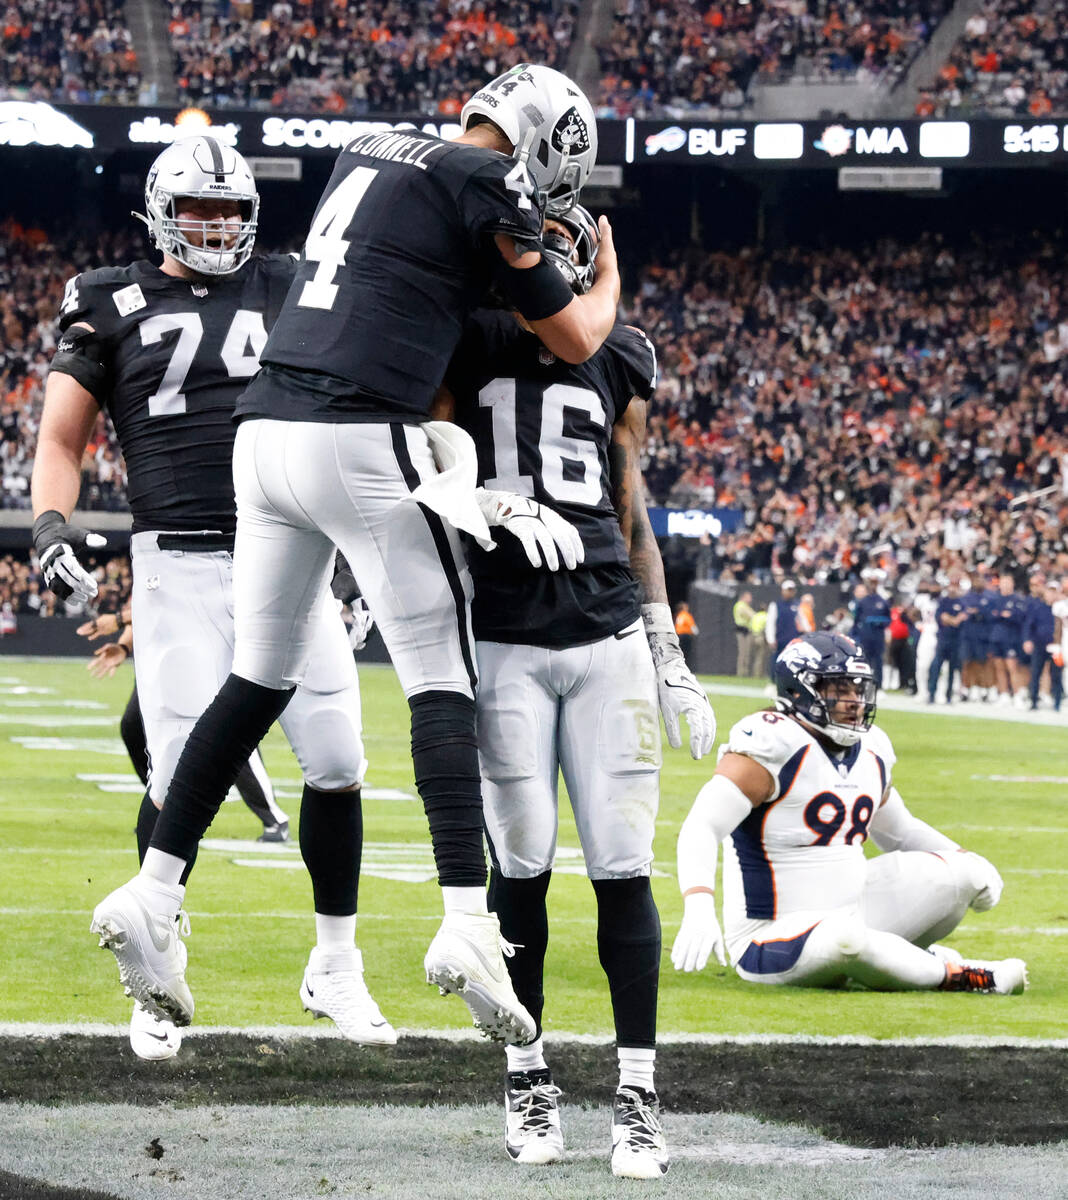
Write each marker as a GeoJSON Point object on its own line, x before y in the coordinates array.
{"type": "Point", "coordinates": [567, 682]}
{"type": "Point", "coordinates": [409, 233]}
{"type": "Point", "coordinates": [165, 351]}
{"type": "Point", "coordinates": [796, 794]}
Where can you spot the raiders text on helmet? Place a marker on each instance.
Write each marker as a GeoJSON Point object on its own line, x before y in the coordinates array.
{"type": "Point", "coordinates": [200, 167]}
{"type": "Point", "coordinates": [550, 124]}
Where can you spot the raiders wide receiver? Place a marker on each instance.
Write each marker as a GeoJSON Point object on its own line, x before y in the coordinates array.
{"type": "Point", "coordinates": [567, 682]}
{"type": "Point", "coordinates": [330, 449]}
{"type": "Point", "coordinates": [165, 351]}
{"type": "Point", "coordinates": [796, 794]}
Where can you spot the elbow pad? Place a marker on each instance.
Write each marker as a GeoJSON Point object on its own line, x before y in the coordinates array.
{"type": "Point", "coordinates": [79, 354]}
{"type": "Point", "coordinates": [536, 292]}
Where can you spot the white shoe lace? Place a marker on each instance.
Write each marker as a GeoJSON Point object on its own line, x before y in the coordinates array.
{"type": "Point", "coordinates": [348, 990]}
{"type": "Point", "coordinates": [535, 1104]}
{"type": "Point", "coordinates": [640, 1122]}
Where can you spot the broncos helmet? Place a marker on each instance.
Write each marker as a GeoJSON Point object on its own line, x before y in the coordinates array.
{"type": "Point", "coordinates": [550, 124]}
{"type": "Point", "coordinates": [573, 253]}
{"type": "Point", "coordinates": [803, 672]}
{"type": "Point", "coordinates": [201, 167]}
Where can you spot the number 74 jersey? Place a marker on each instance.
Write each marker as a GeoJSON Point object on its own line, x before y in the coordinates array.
{"type": "Point", "coordinates": [177, 353]}
{"type": "Point", "coordinates": [803, 849]}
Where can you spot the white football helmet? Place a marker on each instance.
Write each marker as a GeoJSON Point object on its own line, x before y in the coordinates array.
{"type": "Point", "coordinates": [202, 167]}
{"type": "Point", "coordinates": [550, 124]}
{"type": "Point", "coordinates": [574, 256]}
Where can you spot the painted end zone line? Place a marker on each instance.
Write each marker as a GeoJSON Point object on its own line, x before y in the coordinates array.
{"type": "Point", "coordinates": [31, 1029]}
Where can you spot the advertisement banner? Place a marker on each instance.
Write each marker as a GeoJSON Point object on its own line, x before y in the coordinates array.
{"type": "Point", "coordinates": [695, 522]}
{"type": "Point", "coordinates": [738, 144]}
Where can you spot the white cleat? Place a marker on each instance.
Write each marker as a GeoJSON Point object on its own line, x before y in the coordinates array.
{"type": "Point", "coordinates": [532, 1134]}
{"type": "Point", "coordinates": [141, 925]}
{"type": "Point", "coordinates": [466, 958]}
{"type": "Point", "coordinates": [638, 1147]}
{"type": "Point", "coordinates": [333, 987]}
{"type": "Point", "coordinates": [151, 1038]}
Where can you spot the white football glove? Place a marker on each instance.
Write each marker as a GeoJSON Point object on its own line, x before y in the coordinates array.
{"type": "Point", "coordinates": [680, 693]}
{"type": "Point", "coordinates": [699, 936]}
{"type": "Point", "coordinates": [985, 876]}
{"type": "Point", "coordinates": [56, 542]}
{"type": "Point", "coordinates": [541, 531]}
{"type": "Point", "coordinates": [362, 623]}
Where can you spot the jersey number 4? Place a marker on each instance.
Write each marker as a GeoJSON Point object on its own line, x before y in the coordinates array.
{"type": "Point", "coordinates": [326, 245]}
{"type": "Point", "coordinates": [240, 353]}
{"type": "Point", "coordinates": [581, 482]}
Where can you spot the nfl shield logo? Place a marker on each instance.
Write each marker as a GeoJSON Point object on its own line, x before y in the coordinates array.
{"type": "Point", "coordinates": [199, 290]}
{"type": "Point", "coordinates": [546, 357]}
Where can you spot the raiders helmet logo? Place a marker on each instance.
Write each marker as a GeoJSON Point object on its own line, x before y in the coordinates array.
{"type": "Point", "coordinates": [570, 133]}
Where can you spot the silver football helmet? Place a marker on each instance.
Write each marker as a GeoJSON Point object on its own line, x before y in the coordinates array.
{"type": "Point", "coordinates": [573, 254]}
{"type": "Point", "coordinates": [550, 124]}
{"type": "Point", "coordinates": [201, 167]}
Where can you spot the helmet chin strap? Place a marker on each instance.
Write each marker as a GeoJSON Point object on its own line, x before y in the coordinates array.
{"type": "Point", "coordinates": [522, 152]}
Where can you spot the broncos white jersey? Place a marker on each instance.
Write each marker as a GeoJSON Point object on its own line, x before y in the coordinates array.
{"type": "Point", "coordinates": [803, 849]}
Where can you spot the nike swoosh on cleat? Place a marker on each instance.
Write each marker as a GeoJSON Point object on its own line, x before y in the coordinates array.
{"type": "Point", "coordinates": [626, 633]}
{"type": "Point", "coordinates": [162, 946]}
{"type": "Point", "coordinates": [159, 1037]}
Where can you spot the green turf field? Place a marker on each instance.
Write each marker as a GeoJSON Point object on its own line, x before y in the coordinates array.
{"type": "Point", "coordinates": [65, 842]}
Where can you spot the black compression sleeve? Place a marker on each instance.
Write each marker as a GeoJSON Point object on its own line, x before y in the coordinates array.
{"type": "Point", "coordinates": [537, 292]}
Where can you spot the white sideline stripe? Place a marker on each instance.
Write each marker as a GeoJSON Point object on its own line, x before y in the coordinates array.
{"type": "Point", "coordinates": [1011, 829]}
{"type": "Point", "coordinates": [39, 720]}
{"type": "Point", "coordinates": [1024, 779]}
{"type": "Point", "coordinates": [909, 704]}
{"type": "Point", "coordinates": [290, 1032]}
{"type": "Point", "coordinates": [94, 704]}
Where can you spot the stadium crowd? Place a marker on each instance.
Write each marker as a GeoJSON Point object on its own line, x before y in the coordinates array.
{"type": "Point", "coordinates": [71, 51]}
{"type": "Point", "coordinates": [1011, 60]}
{"type": "Point", "coordinates": [680, 57]}
{"type": "Point", "coordinates": [375, 57]}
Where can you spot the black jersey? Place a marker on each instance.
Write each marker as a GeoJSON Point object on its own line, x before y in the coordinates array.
{"type": "Point", "coordinates": [399, 252]}
{"type": "Point", "coordinates": [178, 353]}
{"type": "Point", "coordinates": [543, 428]}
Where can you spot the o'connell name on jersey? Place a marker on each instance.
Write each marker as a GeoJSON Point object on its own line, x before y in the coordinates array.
{"type": "Point", "coordinates": [543, 429]}
{"type": "Point", "coordinates": [804, 848]}
{"type": "Point", "coordinates": [399, 252]}
{"type": "Point", "coordinates": [178, 353]}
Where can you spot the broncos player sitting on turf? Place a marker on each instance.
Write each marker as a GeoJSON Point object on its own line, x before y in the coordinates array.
{"type": "Point", "coordinates": [166, 351]}
{"type": "Point", "coordinates": [794, 797]}
{"type": "Point", "coordinates": [568, 684]}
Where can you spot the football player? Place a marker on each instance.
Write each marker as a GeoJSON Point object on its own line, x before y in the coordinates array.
{"type": "Point", "coordinates": [796, 794]}
{"type": "Point", "coordinates": [410, 232]}
{"type": "Point", "coordinates": [568, 683]}
{"type": "Point", "coordinates": [166, 350]}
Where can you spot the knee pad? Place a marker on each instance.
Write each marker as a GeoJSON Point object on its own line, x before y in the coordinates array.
{"type": "Point", "coordinates": [843, 934]}
{"type": "Point", "coordinates": [329, 748]}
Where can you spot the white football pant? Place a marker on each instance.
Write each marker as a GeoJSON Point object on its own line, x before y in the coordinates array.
{"type": "Point", "coordinates": [183, 626]}
{"type": "Point", "coordinates": [910, 900]}
{"type": "Point", "coordinates": [304, 487]}
{"type": "Point", "coordinates": [589, 712]}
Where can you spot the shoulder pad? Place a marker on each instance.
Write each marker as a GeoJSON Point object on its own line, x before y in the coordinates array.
{"type": "Point", "coordinates": [769, 738]}
{"type": "Point", "coordinates": [879, 744]}
{"type": "Point", "coordinates": [90, 297]}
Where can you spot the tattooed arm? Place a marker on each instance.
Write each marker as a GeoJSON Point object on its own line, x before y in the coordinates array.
{"type": "Point", "coordinates": [628, 496]}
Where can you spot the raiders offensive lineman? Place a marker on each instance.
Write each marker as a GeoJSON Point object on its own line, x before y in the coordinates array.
{"type": "Point", "coordinates": [166, 351]}
{"type": "Point", "coordinates": [330, 449]}
{"type": "Point", "coordinates": [567, 683]}
{"type": "Point", "coordinates": [794, 798]}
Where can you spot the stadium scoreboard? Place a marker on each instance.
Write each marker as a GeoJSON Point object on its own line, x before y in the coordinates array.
{"type": "Point", "coordinates": [780, 144]}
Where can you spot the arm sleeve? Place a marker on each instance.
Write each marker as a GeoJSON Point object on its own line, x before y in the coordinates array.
{"type": "Point", "coordinates": [719, 809]}
{"type": "Point", "coordinates": [537, 292]}
{"type": "Point", "coordinates": [894, 828]}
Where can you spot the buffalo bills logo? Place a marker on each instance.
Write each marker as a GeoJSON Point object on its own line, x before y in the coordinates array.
{"type": "Point", "coordinates": [570, 133]}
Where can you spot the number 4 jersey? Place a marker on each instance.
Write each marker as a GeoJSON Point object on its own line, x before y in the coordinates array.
{"type": "Point", "coordinates": [176, 355]}
{"type": "Point", "coordinates": [543, 428]}
{"type": "Point", "coordinates": [803, 850]}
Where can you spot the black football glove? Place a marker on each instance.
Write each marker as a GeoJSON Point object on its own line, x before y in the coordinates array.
{"type": "Point", "coordinates": [56, 544]}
